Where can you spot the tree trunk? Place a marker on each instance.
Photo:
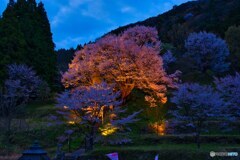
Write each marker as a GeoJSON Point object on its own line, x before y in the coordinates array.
{"type": "Point", "coordinates": [89, 140]}
{"type": "Point", "coordinates": [69, 143]}
{"type": "Point", "coordinates": [198, 129]}
{"type": "Point", "coordinates": [198, 140]}
{"type": "Point", "coordinates": [126, 90]}
{"type": "Point", "coordinates": [8, 133]}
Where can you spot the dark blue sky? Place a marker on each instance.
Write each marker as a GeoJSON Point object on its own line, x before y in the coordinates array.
{"type": "Point", "coordinates": [78, 21]}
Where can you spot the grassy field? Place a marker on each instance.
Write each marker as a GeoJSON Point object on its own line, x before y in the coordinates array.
{"type": "Point", "coordinates": [165, 151]}
{"type": "Point", "coordinates": [145, 145]}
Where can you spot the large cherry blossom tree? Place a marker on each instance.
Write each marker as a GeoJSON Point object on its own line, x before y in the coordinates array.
{"type": "Point", "coordinates": [131, 60]}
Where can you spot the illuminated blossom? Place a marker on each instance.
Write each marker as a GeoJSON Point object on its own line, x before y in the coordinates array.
{"type": "Point", "coordinates": [130, 60]}
{"type": "Point", "coordinates": [93, 107]}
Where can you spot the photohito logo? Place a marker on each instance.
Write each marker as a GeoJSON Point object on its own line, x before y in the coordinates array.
{"type": "Point", "coordinates": [212, 154]}
{"type": "Point", "coordinates": [223, 154]}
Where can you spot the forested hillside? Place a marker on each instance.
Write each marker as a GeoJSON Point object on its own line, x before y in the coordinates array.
{"type": "Point", "coordinates": [174, 26]}
{"type": "Point", "coordinates": [220, 17]}
{"type": "Point", "coordinates": [202, 15]}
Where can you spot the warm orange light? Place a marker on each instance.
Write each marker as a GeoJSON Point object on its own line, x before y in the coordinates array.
{"type": "Point", "coordinates": [108, 129]}
{"type": "Point", "coordinates": [71, 122]}
{"type": "Point", "coordinates": [151, 100]}
{"type": "Point", "coordinates": [159, 128]}
{"type": "Point", "coordinates": [96, 78]}
{"type": "Point", "coordinates": [164, 100]}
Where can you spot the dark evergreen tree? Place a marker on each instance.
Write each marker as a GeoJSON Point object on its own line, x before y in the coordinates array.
{"type": "Point", "coordinates": [12, 42]}
{"type": "Point", "coordinates": [232, 37]}
{"type": "Point", "coordinates": [79, 47]}
{"type": "Point", "coordinates": [25, 37]}
{"type": "Point", "coordinates": [11, 3]}
{"type": "Point", "coordinates": [64, 57]}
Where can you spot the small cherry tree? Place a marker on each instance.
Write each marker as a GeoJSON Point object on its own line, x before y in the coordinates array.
{"type": "Point", "coordinates": [229, 89]}
{"type": "Point", "coordinates": [207, 52]}
{"type": "Point", "coordinates": [168, 58]}
{"type": "Point", "coordinates": [21, 85]}
{"type": "Point", "coordinates": [90, 108]}
{"type": "Point", "coordinates": [196, 104]}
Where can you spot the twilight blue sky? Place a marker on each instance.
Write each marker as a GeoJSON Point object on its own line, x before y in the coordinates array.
{"type": "Point", "coordinates": [78, 21]}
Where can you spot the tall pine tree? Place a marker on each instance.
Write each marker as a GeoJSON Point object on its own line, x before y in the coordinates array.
{"type": "Point", "coordinates": [12, 42]}
{"type": "Point", "coordinates": [25, 37]}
